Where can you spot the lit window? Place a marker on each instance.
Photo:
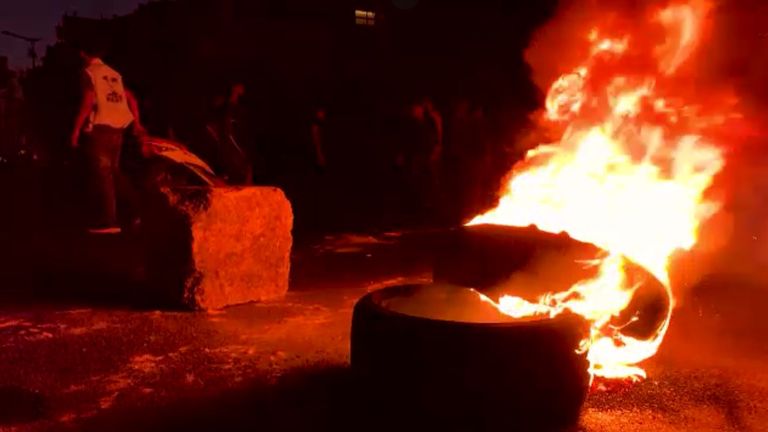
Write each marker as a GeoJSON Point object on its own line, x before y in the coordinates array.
{"type": "Point", "coordinates": [364, 17]}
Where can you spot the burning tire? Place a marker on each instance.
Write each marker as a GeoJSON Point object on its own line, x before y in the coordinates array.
{"type": "Point", "coordinates": [473, 371]}
{"type": "Point", "coordinates": [495, 259]}
{"type": "Point", "coordinates": [485, 256]}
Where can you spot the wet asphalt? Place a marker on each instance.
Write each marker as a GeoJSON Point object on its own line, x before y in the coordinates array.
{"type": "Point", "coordinates": [85, 364]}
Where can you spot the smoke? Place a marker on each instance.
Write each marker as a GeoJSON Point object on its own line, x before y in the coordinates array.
{"type": "Point", "coordinates": [736, 50]}
{"type": "Point", "coordinates": [730, 52]}
{"type": "Point", "coordinates": [736, 240]}
{"type": "Point", "coordinates": [729, 62]}
{"type": "Point", "coordinates": [562, 43]}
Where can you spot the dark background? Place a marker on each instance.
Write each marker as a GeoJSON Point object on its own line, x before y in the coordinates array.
{"type": "Point", "coordinates": [38, 19]}
{"type": "Point", "coordinates": [294, 55]}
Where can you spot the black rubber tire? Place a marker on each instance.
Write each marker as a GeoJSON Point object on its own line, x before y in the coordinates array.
{"type": "Point", "coordinates": [468, 376]}
{"type": "Point", "coordinates": [482, 256]}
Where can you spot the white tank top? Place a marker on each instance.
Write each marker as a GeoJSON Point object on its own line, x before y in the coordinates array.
{"type": "Point", "coordinates": [111, 107]}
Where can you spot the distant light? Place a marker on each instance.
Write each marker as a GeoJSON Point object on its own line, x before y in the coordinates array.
{"type": "Point", "coordinates": [364, 17]}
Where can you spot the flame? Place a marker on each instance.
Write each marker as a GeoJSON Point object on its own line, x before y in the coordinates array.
{"type": "Point", "coordinates": [628, 175]}
{"type": "Point", "coordinates": [567, 95]}
{"type": "Point", "coordinates": [682, 23]}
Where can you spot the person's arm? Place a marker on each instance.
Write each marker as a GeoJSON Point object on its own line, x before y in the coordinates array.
{"type": "Point", "coordinates": [86, 107]}
{"type": "Point", "coordinates": [133, 106]}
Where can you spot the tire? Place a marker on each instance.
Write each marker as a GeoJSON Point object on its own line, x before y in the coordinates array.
{"type": "Point", "coordinates": [486, 256]}
{"type": "Point", "coordinates": [432, 373]}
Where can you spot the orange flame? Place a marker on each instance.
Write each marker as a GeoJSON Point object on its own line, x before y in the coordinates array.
{"type": "Point", "coordinates": [621, 177]}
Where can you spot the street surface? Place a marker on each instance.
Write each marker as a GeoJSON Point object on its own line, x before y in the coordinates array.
{"type": "Point", "coordinates": [80, 365]}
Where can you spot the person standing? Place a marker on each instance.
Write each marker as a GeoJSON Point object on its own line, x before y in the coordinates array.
{"type": "Point", "coordinates": [318, 134]}
{"type": "Point", "coordinates": [5, 106]}
{"type": "Point", "coordinates": [107, 109]}
{"type": "Point", "coordinates": [434, 122]}
{"type": "Point", "coordinates": [226, 129]}
{"type": "Point", "coordinates": [421, 147]}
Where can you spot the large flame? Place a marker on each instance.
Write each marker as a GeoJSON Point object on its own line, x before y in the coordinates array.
{"type": "Point", "coordinates": [628, 175]}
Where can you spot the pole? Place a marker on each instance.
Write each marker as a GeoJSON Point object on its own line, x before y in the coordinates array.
{"type": "Point", "coordinates": [32, 52]}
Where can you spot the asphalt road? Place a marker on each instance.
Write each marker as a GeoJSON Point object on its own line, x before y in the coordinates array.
{"type": "Point", "coordinates": [80, 365]}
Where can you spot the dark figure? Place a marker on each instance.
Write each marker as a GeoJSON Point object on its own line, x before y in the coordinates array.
{"type": "Point", "coordinates": [11, 103]}
{"type": "Point", "coordinates": [8, 98]}
{"type": "Point", "coordinates": [421, 144]}
{"type": "Point", "coordinates": [5, 84]}
{"type": "Point", "coordinates": [484, 185]}
{"type": "Point", "coordinates": [435, 122]}
{"type": "Point", "coordinates": [107, 109]}
{"type": "Point", "coordinates": [422, 132]}
{"type": "Point", "coordinates": [467, 163]}
{"type": "Point", "coordinates": [225, 128]}
{"type": "Point", "coordinates": [318, 133]}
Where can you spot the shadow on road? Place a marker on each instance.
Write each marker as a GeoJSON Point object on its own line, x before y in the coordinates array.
{"type": "Point", "coordinates": [311, 399]}
{"type": "Point", "coordinates": [316, 399]}
{"type": "Point", "coordinates": [325, 399]}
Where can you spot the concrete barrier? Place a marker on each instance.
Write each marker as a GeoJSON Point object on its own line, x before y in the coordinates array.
{"type": "Point", "coordinates": [208, 248]}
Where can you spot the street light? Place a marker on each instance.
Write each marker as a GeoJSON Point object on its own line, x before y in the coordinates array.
{"type": "Point", "coordinates": [32, 51]}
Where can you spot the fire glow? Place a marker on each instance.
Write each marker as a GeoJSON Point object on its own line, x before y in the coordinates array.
{"type": "Point", "coordinates": [628, 174]}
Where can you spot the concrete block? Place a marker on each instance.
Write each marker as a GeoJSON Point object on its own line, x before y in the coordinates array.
{"type": "Point", "coordinates": [208, 248]}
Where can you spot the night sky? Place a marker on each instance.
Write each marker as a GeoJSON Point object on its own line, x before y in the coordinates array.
{"type": "Point", "coordinates": [38, 18]}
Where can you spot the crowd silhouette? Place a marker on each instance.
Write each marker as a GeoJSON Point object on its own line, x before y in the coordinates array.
{"type": "Point", "coordinates": [385, 125]}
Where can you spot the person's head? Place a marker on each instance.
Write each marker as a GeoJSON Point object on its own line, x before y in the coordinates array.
{"type": "Point", "coordinates": [321, 113]}
{"type": "Point", "coordinates": [236, 92]}
{"type": "Point", "coordinates": [90, 50]}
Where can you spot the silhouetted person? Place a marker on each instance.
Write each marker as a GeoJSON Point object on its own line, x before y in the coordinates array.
{"type": "Point", "coordinates": [11, 100]}
{"type": "Point", "coordinates": [467, 163]}
{"type": "Point", "coordinates": [318, 133]}
{"type": "Point", "coordinates": [7, 99]}
{"type": "Point", "coordinates": [5, 73]}
{"type": "Point", "coordinates": [423, 135]}
{"type": "Point", "coordinates": [421, 144]}
{"type": "Point", "coordinates": [436, 197]}
{"type": "Point", "coordinates": [435, 124]}
{"type": "Point", "coordinates": [225, 126]}
{"type": "Point", "coordinates": [480, 130]}
{"type": "Point", "coordinates": [107, 109]}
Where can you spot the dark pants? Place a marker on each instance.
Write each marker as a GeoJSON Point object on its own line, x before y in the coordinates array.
{"type": "Point", "coordinates": [102, 151]}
